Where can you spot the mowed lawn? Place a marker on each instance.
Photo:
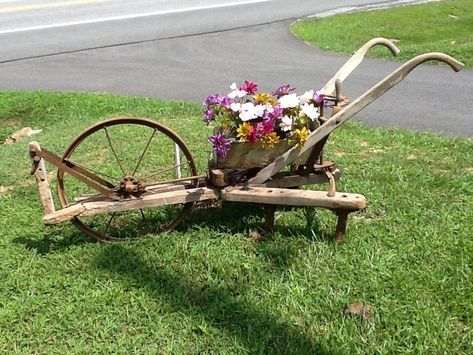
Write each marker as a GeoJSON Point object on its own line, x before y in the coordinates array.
{"type": "Point", "coordinates": [439, 26]}
{"type": "Point", "coordinates": [208, 288]}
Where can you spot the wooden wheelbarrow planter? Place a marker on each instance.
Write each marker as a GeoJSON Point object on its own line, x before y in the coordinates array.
{"type": "Point", "coordinates": [110, 202]}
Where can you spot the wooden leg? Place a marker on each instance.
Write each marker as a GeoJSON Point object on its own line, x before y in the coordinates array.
{"type": "Point", "coordinates": [341, 225]}
{"type": "Point", "coordinates": [269, 211]}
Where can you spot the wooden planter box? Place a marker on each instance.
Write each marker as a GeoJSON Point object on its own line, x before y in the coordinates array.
{"type": "Point", "coordinates": [244, 155]}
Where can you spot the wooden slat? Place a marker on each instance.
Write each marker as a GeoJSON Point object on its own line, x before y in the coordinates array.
{"type": "Point", "coordinates": [106, 206]}
{"type": "Point", "coordinates": [61, 165]}
{"type": "Point", "coordinates": [276, 196]}
{"type": "Point", "coordinates": [41, 177]}
{"type": "Point", "coordinates": [351, 109]}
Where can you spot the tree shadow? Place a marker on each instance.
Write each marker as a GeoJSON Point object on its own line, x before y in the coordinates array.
{"type": "Point", "coordinates": [256, 329]}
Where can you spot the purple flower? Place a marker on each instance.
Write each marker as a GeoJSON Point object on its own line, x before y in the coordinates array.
{"type": "Point", "coordinates": [319, 98]}
{"type": "Point", "coordinates": [224, 101]}
{"type": "Point", "coordinates": [275, 114]}
{"type": "Point", "coordinates": [209, 115]}
{"type": "Point", "coordinates": [283, 90]}
{"type": "Point", "coordinates": [220, 144]}
{"type": "Point", "coordinates": [211, 100]}
{"type": "Point", "coordinates": [218, 99]}
{"type": "Point", "coordinates": [250, 87]}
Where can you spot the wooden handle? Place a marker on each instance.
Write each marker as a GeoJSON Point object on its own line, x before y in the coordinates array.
{"type": "Point", "coordinates": [355, 60]}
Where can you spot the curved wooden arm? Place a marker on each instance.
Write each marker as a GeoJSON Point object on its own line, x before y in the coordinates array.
{"type": "Point", "coordinates": [355, 60]}
{"type": "Point", "coordinates": [351, 109]}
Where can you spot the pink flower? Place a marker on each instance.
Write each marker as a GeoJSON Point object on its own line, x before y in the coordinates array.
{"type": "Point", "coordinates": [265, 127]}
{"type": "Point", "coordinates": [250, 87]}
{"type": "Point", "coordinates": [253, 135]}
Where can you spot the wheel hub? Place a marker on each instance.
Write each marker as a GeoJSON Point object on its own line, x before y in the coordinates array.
{"type": "Point", "coordinates": [130, 186]}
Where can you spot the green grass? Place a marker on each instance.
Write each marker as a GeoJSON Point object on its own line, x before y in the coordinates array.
{"type": "Point", "coordinates": [206, 288]}
{"type": "Point", "coordinates": [445, 26]}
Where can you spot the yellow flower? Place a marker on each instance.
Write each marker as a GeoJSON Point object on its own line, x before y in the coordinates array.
{"type": "Point", "coordinates": [301, 136]}
{"type": "Point", "coordinates": [243, 131]}
{"type": "Point", "coordinates": [262, 97]}
{"type": "Point", "coordinates": [265, 98]}
{"type": "Point", "coordinates": [270, 140]}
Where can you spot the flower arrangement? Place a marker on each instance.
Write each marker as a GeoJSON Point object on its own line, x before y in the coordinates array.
{"type": "Point", "coordinates": [246, 115]}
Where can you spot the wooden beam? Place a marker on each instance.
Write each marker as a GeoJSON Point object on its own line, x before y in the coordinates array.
{"type": "Point", "coordinates": [276, 196]}
{"type": "Point", "coordinates": [41, 177]}
{"type": "Point", "coordinates": [105, 206]}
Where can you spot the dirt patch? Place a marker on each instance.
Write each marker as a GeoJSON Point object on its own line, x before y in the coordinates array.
{"type": "Point", "coordinates": [10, 122]}
{"type": "Point", "coordinates": [5, 189]}
{"type": "Point", "coordinates": [360, 310]}
{"type": "Point", "coordinates": [369, 152]}
{"type": "Point", "coordinates": [367, 219]}
{"type": "Point", "coordinates": [469, 170]}
{"type": "Point", "coordinates": [21, 134]}
{"type": "Point", "coordinates": [442, 171]}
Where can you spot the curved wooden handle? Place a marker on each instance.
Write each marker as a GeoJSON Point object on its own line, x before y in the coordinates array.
{"type": "Point", "coordinates": [351, 109]}
{"type": "Point", "coordinates": [355, 60]}
{"type": "Point", "coordinates": [435, 56]}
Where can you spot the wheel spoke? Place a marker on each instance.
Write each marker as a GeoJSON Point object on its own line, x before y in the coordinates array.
{"type": "Point", "coordinates": [95, 172]}
{"type": "Point", "coordinates": [113, 150]}
{"type": "Point", "coordinates": [162, 171]}
{"type": "Point", "coordinates": [109, 223]}
{"type": "Point", "coordinates": [145, 220]}
{"type": "Point", "coordinates": [143, 154]}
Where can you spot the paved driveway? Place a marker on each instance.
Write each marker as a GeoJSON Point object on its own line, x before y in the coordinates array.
{"type": "Point", "coordinates": [189, 67]}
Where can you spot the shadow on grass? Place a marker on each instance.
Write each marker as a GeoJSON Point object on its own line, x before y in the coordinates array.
{"type": "Point", "coordinates": [231, 218]}
{"type": "Point", "coordinates": [246, 217]}
{"type": "Point", "coordinates": [256, 329]}
{"type": "Point", "coordinates": [54, 239]}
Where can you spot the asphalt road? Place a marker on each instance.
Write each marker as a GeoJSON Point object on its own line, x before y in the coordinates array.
{"type": "Point", "coordinates": [189, 49]}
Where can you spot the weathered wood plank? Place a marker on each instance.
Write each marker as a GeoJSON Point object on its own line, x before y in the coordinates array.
{"type": "Point", "coordinates": [105, 206]}
{"type": "Point", "coordinates": [276, 196]}
{"type": "Point", "coordinates": [41, 178]}
{"type": "Point", "coordinates": [351, 109]}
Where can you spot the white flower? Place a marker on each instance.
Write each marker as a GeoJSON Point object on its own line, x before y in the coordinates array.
{"type": "Point", "coordinates": [310, 111]}
{"type": "Point", "coordinates": [308, 95]}
{"type": "Point", "coordinates": [235, 106]}
{"type": "Point", "coordinates": [289, 101]}
{"type": "Point", "coordinates": [286, 123]}
{"type": "Point", "coordinates": [235, 92]}
{"type": "Point", "coordinates": [248, 112]}
{"type": "Point", "coordinates": [259, 110]}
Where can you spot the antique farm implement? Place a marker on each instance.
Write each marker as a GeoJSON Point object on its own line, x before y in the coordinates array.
{"type": "Point", "coordinates": [124, 177]}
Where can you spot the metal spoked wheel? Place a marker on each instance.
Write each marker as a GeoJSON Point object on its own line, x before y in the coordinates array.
{"type": "Point", "coordinates": [128, 149]}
